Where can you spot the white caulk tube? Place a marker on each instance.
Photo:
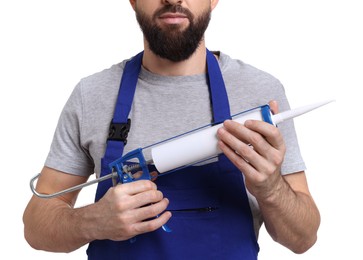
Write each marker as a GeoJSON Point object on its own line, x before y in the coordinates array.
{"type": "Point", "coordinates": [202, 144]}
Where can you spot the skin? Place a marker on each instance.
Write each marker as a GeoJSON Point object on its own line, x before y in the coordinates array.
{"type": "Point", "coordinates": [288, 209]}
{"type": "Point", "coordinates": [290, 214]}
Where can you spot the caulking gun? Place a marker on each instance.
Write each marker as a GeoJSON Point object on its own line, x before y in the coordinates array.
{"type": "Point", "coordinates": [176, 153]}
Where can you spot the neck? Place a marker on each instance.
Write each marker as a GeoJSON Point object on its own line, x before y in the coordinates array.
{"type": "Point", "coordinates": [196, 64]}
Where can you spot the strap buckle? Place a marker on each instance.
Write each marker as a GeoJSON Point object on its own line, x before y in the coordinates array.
{"type": "Point", "coordinates": [119, 131]}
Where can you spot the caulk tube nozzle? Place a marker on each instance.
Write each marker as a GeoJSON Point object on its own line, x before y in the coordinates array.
{"type": "Point", "coordinates": [278, 118]}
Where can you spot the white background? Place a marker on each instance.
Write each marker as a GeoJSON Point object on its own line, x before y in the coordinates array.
{"type": "Point", "coordinates": [313, 46]}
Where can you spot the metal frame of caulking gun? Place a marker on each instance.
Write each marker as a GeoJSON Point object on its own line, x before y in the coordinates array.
{"type": "Point", "coordinates": [121, 172]}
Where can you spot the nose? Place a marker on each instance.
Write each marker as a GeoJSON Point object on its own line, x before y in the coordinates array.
{"type": "Point", "coordinates": [172, 2]}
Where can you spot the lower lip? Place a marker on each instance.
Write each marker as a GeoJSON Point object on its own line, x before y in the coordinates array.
{"type": "Point", "coordinates": [173, 20]}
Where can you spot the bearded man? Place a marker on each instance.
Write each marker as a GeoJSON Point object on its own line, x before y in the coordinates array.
{"type": "Point", "coordinates": [211, 210]}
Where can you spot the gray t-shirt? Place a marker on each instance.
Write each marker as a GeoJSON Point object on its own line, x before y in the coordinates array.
{"type": "Point", "coordinates": [162, 108]}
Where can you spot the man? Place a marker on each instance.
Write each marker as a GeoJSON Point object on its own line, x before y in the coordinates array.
{"type": "Point", "coordinates": [214, 209]}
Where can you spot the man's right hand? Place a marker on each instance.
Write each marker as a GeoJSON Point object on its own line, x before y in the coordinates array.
{"type": "Point", "coordinates": [130, 209]}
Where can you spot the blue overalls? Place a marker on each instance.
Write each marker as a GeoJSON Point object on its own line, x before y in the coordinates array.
{"type": "Point", "coordinates": [211, 216]}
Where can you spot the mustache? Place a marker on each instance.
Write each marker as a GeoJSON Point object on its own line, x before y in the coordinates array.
{"type": "Point", "coordinates": [173, 9]}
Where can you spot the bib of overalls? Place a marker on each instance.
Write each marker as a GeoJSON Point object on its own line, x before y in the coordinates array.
{"type": "Point", "coordinates": [211, 216]}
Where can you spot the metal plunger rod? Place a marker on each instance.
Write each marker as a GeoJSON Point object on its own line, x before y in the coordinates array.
{"type": "Point", "coordinates": [113, 175]}
{"type": "Point", "coordinates": [74, 188]}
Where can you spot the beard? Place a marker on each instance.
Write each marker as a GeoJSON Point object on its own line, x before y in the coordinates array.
{"type": "Point", "coordinates": [172, 42]}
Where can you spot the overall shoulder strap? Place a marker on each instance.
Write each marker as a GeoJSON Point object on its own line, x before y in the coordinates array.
{"type": "Point", "coordinates": [120, 124]}
{"type": "Point", "coordinates": [217, 89]}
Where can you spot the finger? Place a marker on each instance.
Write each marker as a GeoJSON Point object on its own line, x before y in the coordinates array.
{"type": "Point", "coordinates": [150, 211]}
{"type": "Point", "coordinates": [237, 159]}
{"type": "Point", "coordinates": [253, 169]}
{"type": "Point", "coordinates": [247, 136]}
{"type": "Point", "coordinates": [237, 130]}
{"type": "Point", "coordinates": [146, 198]}
{"type": "Point", "coordinates": [154, 175]}
{"type": "Point", "coordinates": [258, 155]}
{"type": "Point", "coordinates": [266, 132]}
{"type": "Point", "coordinates": [238, 151]}
{"type": "Point", "coordinates": [138, 174]}
{"type": "Point", "coordinates": [274, 106]}
{"type": "Point", "coordinates": [153, 224]}
{"type": "Point", "coordinates": [136, 187]}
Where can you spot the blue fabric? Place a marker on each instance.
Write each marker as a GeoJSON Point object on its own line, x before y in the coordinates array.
{"type": "Point", "coordinates": [211, 214]}
{"type": "Point", "coordinates": [126, 93]}
{"type": "Point", "coordinates": [217, 90]}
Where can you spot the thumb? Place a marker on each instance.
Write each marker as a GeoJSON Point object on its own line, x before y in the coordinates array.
{"type": "Point", "coordinates": [274, 106]}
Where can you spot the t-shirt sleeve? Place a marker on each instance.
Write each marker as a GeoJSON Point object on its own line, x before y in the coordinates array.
{"type": "Point", "coordinates": [254, 87]}
{"type": "Point", "coordinates": [66, 152]}
{"type": "Point", "coordinates": [293, 161]}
